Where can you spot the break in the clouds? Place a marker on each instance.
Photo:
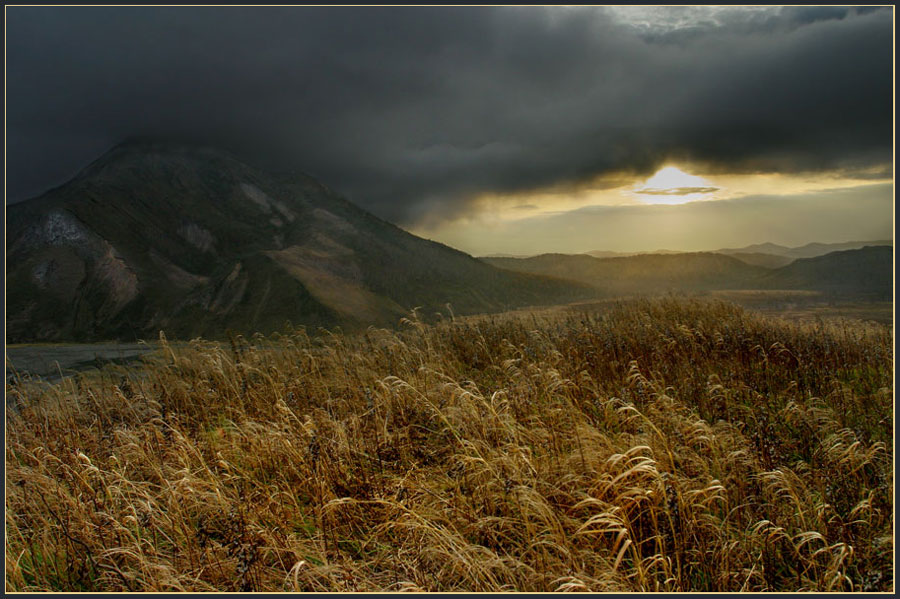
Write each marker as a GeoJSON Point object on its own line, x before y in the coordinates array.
{"type": "Point", "coordinates": [414, 111]}
{"type": "Point", "coordinates": [672, 182]}
{"type": "Point", "coordinates": [853, 213]}
{"type": "Point", "coordinates": [677, 191]}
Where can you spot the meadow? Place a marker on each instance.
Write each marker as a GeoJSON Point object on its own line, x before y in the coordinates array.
{"type": "Point", "coordinates": [654, 445]}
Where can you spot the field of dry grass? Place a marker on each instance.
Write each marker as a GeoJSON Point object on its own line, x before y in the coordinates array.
{"type": "Point", "coordinates": [664, 445]}
{"type": "Point", "coordinates": [808, 305]}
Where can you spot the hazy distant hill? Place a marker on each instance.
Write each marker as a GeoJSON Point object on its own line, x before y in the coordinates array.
{"type": "Point", "coordinates": [767, 255]}
{"type": "Point", "coordinates": [190, 240]}
{"type": "Point", "coordinates": [862, 273]}
{"type": "Point", "coordinates": [503, 255]}
{"type": "Point", "coordinates": [810, 250]}
{"type": "Point", "coordinates": [761, 259]}
{"type": "Point", "coordinates": [758, 248]}
{"type": "Point", "coordinates": [608, 254]}
{"type": "Point", "coordinates": [642, 273]}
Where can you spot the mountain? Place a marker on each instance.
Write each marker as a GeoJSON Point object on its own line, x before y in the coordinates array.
{"type": "Point", "coordinates": [810, 250]}
{"type": "Point", "coordinates": [865, 273]}
{"type": "Point", "coordinates": [758, 248]}
{"type": "Point", "coordinates": [608, 254]}
{"type": "Point", "coordinates": [767, 255]}
{"type": "Point", "coordinates": [644, 273]}
{"type": "Point", "coordinates": [193, 241]}
{"type": "Point", "coordinates": [502, 255]}
{"type": "Point", "coordinates": [862, 274]}
{"type": "Point", "coordinates": [761, 259]}
{"type": "Point", "coordinates": [754, 258]}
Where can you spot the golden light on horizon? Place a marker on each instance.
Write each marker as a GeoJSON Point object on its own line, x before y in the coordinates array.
{"type": "Point", "coordinates": [671, 185]}
{"type": "Point", "coordinates": [512, 222]}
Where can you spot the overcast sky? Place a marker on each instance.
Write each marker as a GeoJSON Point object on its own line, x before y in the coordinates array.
{"type": "Point", "coordinates": [444, 118]}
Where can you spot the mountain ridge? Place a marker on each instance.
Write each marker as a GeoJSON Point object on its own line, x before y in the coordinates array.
{"type": "Point", "coordinates": [810, 250]}
{"type": "Point", "coordinates": [865, 273]}
{"type": "Point", "coordinates": [192, 240]}
{"type": "Point", "coordinates": [643, 273]}
{"type": "Point", "coordinates": [766, 253]}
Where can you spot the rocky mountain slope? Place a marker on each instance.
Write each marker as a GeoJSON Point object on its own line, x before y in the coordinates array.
{"type": "Point", "coordinates": [192, 241]}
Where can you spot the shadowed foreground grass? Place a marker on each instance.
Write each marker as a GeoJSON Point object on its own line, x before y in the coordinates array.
{"type": "Point", "coordinates": [663, 445]}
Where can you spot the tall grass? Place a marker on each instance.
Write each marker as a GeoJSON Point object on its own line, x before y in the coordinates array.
{"type": "Point", "coordinates": [664, 445]}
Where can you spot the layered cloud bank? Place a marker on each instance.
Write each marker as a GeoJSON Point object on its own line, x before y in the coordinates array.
{"type": "Point", "coordinates": [419, 113]}
{"type": "Point", "coordinates": [854, 213]}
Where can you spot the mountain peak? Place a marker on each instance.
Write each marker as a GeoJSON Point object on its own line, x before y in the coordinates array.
{"type": "Point", "coordinates": [149, 144]}
{"type": "Point", "coordinates": [151, 150]}
{"type": "Point", "coordinates": [157, 234]}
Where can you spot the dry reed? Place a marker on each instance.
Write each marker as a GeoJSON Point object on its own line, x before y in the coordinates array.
{"type": "Point", "coordinates": [665, 445]}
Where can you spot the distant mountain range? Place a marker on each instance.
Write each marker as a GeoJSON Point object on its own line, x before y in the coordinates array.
{"type": "Point", "coordinates": [810, 250]}
{"type": "Point", "coordinates": [609, 254]}
{"type": "Point", "coordinates": [192, 241]}
{"type": "Point", "coordinates": [762, 259]}
{"type": "Point", "coordinates": [644, 273]}
{"type": "Point", "coordinates": [770, 255]}
{"type": "Point", "coordinates": [767, 255]}
{"type": "Point", "coordinates": [503, 255]}
{"type": "Point", "coordinates": [865, 273]}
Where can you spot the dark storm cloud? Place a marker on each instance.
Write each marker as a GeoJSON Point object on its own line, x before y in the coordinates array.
{"type": "Point", "coordinates": [412, 110]}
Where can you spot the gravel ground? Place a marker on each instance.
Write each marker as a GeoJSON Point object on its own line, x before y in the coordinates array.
{"type": "Point", "coordinates": [49, 361]}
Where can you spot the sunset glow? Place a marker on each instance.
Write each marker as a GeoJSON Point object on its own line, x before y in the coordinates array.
{"type": "Point", "coordinates": [671, 185]}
